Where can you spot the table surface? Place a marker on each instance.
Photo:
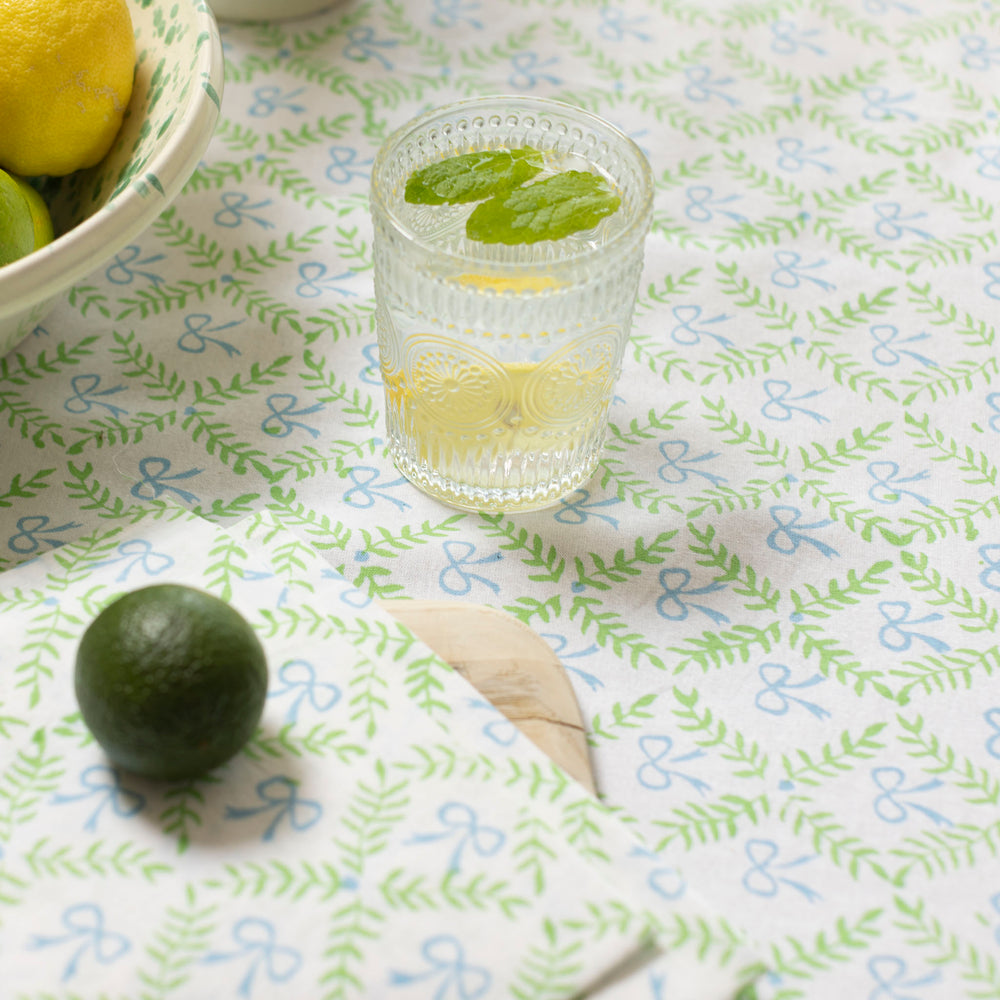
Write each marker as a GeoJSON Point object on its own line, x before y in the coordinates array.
{"type": "Point", "coordinates": [778, 597]}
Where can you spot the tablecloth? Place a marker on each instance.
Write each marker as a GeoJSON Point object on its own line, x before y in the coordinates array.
{"type": "Point", "coordinates": [778, 597]}
{"type": "Point", "coordinates": [386, 832]}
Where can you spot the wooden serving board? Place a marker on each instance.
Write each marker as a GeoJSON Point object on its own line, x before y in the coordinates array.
{"type": "Point", "coordinates": [511, 666]}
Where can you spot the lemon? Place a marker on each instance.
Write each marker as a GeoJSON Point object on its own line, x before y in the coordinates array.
{"type": "Point", "coordinates": [170, 680]}
{"type": "Point", "coordinates": [66, 71]}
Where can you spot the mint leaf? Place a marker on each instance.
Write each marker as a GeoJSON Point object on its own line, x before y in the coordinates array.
{"type": "Point", "coordinates": [547, 210]}
{"type": "Point", "coordinates": [472, 176]}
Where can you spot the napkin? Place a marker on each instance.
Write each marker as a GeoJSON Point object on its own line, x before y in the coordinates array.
{"type": "Point", "coordinates": [382, 835]}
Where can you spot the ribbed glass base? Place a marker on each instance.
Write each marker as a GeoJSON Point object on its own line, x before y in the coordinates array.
{"type": "Point", "coordinates": [540, 479]}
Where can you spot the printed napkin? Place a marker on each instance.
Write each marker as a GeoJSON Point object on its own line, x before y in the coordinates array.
{"type": "Point", "coordinates": [386, 833]}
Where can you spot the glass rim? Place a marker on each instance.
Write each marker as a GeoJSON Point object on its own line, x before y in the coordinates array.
{"type": "Point", "coordinates": [633, 231]}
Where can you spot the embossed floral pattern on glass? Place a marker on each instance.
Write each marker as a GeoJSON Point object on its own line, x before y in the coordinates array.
{"type": "Point", "coordinates": [499, 361]}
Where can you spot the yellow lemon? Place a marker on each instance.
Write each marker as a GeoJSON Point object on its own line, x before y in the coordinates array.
{"type": "Point", "coordinates": [66, 71]}
{"type": "Point", "coordinates": [527, 283]}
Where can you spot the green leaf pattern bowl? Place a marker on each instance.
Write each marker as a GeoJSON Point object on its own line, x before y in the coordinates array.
{"type": "Point", "coordinates": [97, 212]}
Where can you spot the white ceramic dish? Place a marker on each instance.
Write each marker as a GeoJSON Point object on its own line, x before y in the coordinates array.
{"type": "Point", "coordinates": [98, 211]}
{"type": "Point", "coordinates": [267, 10]}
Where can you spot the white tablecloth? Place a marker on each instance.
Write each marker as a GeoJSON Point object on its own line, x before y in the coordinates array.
{"type": "Point", "coordinates": [778, 598]}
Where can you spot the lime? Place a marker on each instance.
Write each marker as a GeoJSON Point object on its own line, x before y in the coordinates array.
{"type": "Point", "coordinates": [25, 223]}
{"type": "Point", "coordinates": [17, 228]}
{"type": "Point", "coordinates": [39, 213]}
{"type": "Point", "coordinates": [170, 680]}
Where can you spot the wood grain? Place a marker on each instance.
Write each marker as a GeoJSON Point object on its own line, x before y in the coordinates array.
{"type": "Point", "coordinates": [511, 666]}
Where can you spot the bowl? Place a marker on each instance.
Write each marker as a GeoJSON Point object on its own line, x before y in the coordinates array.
{"type": "Point", "coordinates": [267, 10]}
{"type": "Point", "coordinates": [98, 211]}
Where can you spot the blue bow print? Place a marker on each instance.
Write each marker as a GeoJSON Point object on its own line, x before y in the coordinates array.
{"type": "Point", "coordinates": [891, 221]}
{"type": "Point", "coordinates": [700, 205]}
{"type": "Point", "coordinates": [668, 883]}
{"type": "Point", "coordinates": [363, 493]}
{"type": "Point", "coordinates": [886, 335]}
{"type": "Point", "coordinates": [890, 975]}
{"type": "Point", "coordinates": [455, 578]}
{"type": "Point", "coordinates": [777, 408]}
{"type": "Point", "coordinates": [616, 27]}
{"type": "Point", "coordinates": [195, 341]}
{"type": "Point", "coordinates": [879, 7]}
{"type": "Point", "coordinates": [890, 808]}
{"type": "Point", "coordinates": [371, 373]}
{"type": "Point", "coordinates": [88, 394]}
{"type": "Point", "coordinates": [279, 422]}
{"type": "Point", "coordinates": [993, 402]}
{"type": "Point", "coordinates": [677, 466]}
{"type": "Point", "coordinates": [774, 698]}
{"type": "Point", "coordinates": [574, 509]}
{"type": "Point", "coordinates": [345, 165]}
{"type": "Point", "coordinates": [790, 272]}
{"type": "Point", "coordinates": [789, 533]}
{"type": "Point", "coordinates": [654, 775]}
{"type": "Point", "coordinates": [702, 86]}
{"type": "Point", "coordinates": [297, 681]}
{"type": "Point", "coordinates": [672, 604]}
{"type": "Point", "coordinates": [461, 825]}
{"type": "Point", "coordinates": [992, 718]}
{"type": "Point", "coordinates": [155, 481]}
{"type": "Point", "coordinates": [793, 156]}
{"type": "Point", "coordinates": [105, 783]}
{"type": "Point", "coordinates": [687, 335]}
{"type": "Point", "coordinates": [84, 925]}
{"type": "Point", "coordinates": [237, 208]}
{"type": "Point", "coordinates": [121, 272]}
{"type": "Point", "coordinates": [499, 729]}
{"type": "Point", "coordinates": [990, 574]}
{"type": "Point", "coordinates": [989, 166]}
{"type": "Point", "coordinates": [760, 878]}
{"type": "Point", "coordinates": [526, 67]}
{"type": "Point", "coordinates": [362, 45]}
{"type": "Point", "coordinates": [280, 796]}
{"type": "Point", "coordinates": [881, 106]}
{"type": "Point", "coordinates": [449, 13]}
{"type": "Point", "coordinates": [268, 100]}
{"type": "Point", "coordinates": [257, 946]}
{"type": "Point", "coordinates": [32, 529]}
{"type": "Point", "coordinates": [889, 487]}
{"type": "Point", "coordinates": [893, 636]}
{"type": "Point", "coordinates": [137, 553]}
{"type": "Point", "coordinates": [992, 271]}
{"type": "Point", "coordinates": [560, 646]}
{"type": "Point", "coordinates": [789, 38]}
{"type": "Point", "coordinates": [316, 282]}
{"type": "Point", "coordinates": [979, 54]}
{"type": "Point", "coordinates": [447, 969]}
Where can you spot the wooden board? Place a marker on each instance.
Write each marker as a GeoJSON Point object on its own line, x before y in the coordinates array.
{"type": "Point", "coordinates": [511, 666]}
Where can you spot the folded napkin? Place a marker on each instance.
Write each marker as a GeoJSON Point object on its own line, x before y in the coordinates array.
{"type": "Point", "coordinates": [385, 834]}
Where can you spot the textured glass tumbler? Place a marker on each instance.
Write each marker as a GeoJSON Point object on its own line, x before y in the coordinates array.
{"type": "Point", "coordinates": [500, 362]}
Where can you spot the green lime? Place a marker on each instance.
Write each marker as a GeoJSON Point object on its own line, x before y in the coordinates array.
{"type": "Point", "coordinates": [170, 680]}
{"type": "Point", "coordinates": [25, 223]}
{"type": "Point", "coordinates": [17, 229]}
{"type": "Point", "coordinates": [40, 217]}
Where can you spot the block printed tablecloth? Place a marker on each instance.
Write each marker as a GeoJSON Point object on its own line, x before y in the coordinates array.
{"type": "Point", "coordinates": [778, 598]}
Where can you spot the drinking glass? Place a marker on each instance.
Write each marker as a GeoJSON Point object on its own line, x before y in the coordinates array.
{"type": "Point", "coordinates": [499, 362]}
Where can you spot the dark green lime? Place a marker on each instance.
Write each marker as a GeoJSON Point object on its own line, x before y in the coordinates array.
{"type": "Point", "coordinates": [170, 680]}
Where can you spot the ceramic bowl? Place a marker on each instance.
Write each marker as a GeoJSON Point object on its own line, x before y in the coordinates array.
{"type": "Point", "coordinates": [98, 211]}
{"type": "Point", "coordinates": [267, 10]}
